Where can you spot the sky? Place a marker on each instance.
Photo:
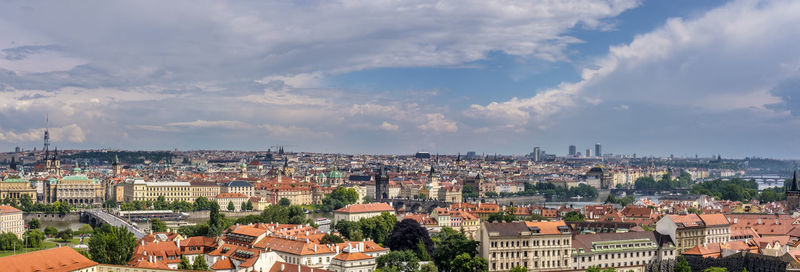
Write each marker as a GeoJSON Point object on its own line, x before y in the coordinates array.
{"type": "Point", "coordinates": [396, 77]}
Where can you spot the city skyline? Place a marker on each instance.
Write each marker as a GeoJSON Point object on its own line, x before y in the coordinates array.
{"type": "Point", "coordinates": [638, 77]}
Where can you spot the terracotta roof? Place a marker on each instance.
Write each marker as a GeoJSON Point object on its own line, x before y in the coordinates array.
{"type": "Point", "coordinates": [716, 219]}
{"type": "Point", "coordinates": [47, 260]}
{"type": "Point", "coordinates": [547, 227]}
{"type": "Point", "coordinates": [354, 256]}
{"type": "Point", "coordinates": [223, 263]}
{"type": "Point", "coordinates": [287, 267]}
{"type": "Point", "coordinates": [8, 209]}
{"type": "Point", "coordinates": [232, 195]}
{"type": "Point", "coordinates": [363, 208]}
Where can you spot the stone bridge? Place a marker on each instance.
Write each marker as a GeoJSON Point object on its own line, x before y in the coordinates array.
{"type": "Point", "coordinates": [96, 217]}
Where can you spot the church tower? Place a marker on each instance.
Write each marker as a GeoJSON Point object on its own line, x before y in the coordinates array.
{"type": "Point", "coordinates": [116, 167]}
{"type": "Point", "coordinates": [793, 195]}
{"type": "Point", "coordinates": [381, 184]}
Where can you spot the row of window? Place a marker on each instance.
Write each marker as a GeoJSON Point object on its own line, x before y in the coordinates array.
{"type": "Point", "coordinates": [526, 243]}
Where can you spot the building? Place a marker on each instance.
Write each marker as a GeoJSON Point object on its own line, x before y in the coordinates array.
{"type": "Point", "coordinates": [355, 212]}
{"type": "Point", "coordinates": [793, 195]}
{"type": "Point", "coordinates": [297, 195]}
{"type": "Point", "coordinates": [352, 260]}
{"type": "Point", "coordinates": [11, 221]}
{"type": "Point", "coordinates": [140, 190]}
{"type": "Point", "coordinates": [238, 186]}
{"type": "Point", "coordinates": [75, 189]}
{"type": "Point", "coordinates": [688, 231]}
{"type": "Point", "coordinates": [223, 199]}
{"type": "Point", "coordinates": [597, 151]}
{"type": "Point", "coordinates": [15, 187]}
{"type": "Point", "coordinates": [537, 246]}
{"type": "Point", "coordinates": [631, 251]}
{"type": "Point", "coordinates": [381, 185]}
{"type": "Point", "coordinates": [572, 150]}
{"type": "Point", "coordinates": [209, 190]}
{"type": "Point", "coordinates": [536, 152]}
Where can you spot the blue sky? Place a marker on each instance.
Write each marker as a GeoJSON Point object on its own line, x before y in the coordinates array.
{"type": "Point", "coordinates": [644, 77]}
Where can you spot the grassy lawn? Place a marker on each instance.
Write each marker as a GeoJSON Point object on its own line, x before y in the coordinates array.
{"type": "Point", "coordinates": [45, 245]}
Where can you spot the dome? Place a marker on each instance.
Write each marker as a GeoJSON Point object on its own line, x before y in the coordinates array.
{"type": "Point", "coordinates": [335, 174]}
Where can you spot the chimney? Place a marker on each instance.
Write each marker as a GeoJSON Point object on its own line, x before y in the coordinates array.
{"type": "Point", "coordinates": [283, 266]}
{"type": "Point", "coordinates": [759, 221]}
{"type": "Point", "coordinates": [735, 220]}
{"type": "Point", "coordinates": [776, 221]}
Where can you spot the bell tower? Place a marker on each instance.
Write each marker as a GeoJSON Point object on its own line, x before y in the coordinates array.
{"type": "Point", "coordinates": [793, 195]}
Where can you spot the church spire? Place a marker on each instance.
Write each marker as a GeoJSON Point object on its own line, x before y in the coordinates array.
{"type": "Point", "coordinates": [794, 182]}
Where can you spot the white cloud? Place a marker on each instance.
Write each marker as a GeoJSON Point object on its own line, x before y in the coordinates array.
{"type": "Point", "coordinates": [71, 133]}
{"type": "Point", "coordinates": [705, 62]}
{"type": "Point", "coordinates": [438, 124]}
{"type": "Point", "coordinates": [389, 126]}
{"type": "Point", "coordinates": [228, 124]}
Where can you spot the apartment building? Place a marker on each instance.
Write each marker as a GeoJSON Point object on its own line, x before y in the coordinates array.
{"type": "Point", "coordinates": [355, 212]}
{"type": "Point", "coordinates": [537, 246]}
{"type": "Point", "coordinates": [238, 186]}
{"type": "Point", "coordinates": [688, 231]}
{"type": "Point", "coordinates": [209, 190]}
{"type": "Point", "coordinates": [11, 221]}
{"type": "Point", "coordinates": [631, 251]}
{"type": "Point", "coordinates": [150, 190]}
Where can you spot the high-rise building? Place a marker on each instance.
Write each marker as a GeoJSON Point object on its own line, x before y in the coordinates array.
{"type": "Point", "coordinates": [597, 151]}
{"type": "Point", "coordinates": [572, 150]}
{"type": "Point", "coordinates": [536, 153]}
{"type": "Point", "coordinates": [588, 153]}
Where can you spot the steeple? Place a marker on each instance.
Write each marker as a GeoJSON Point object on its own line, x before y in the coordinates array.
{"type": "Point", "coordinates": [794, 182]}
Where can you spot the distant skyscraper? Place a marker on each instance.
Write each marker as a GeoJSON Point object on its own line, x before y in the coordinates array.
{"type": "Point", "coordinates": [572, 150]}
{"type": "Point", "coordinates": [588, 153]}
{"type": "Point", "coordinates": [536, 153]}
{"type": "Point", "coordinates": [597, 151]}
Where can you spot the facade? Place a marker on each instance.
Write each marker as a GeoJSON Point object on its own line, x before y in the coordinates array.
{"type": "Point", "coordinates": [381, 185]}
{"type": "Point", "coordinates": [352, 260]}
{"type": "Point", "coordinates": [296, 195]}
{"type": "Point", "coordinates": [355, 212]}
{"type": "Point", "coordinates": [238, 186]}
{"type": "Point", "coordinates": [209, 190]}
{"type": "Point", "coordinates": [11, 221]}
{"type": "Point", "coordinates": [223, 199]}
{"type": "Point", "coordinates": [150, 190]}
{"type": "Point", "coordinates": [75, 189]}
{"type": "Point", "coordinates": [16, 187]}
{"type": "Point", "coordinates": [631, 251]}
{"type": "Point", "coordinates": [688, 231]}
{"type": "Point", "coordinates": [537, 246]}
{"type": "Point", "coordinates": [793, 195]}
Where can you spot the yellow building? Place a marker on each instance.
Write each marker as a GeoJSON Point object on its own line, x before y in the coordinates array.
{"type": "Point", "coordinates": [75, 189]}
{"type": "Point", "coordinates": [16, 187]}
{"type": "Point", "coordinates": [209, 190]}
{"type": "Point", "coordinates": [145, 190]}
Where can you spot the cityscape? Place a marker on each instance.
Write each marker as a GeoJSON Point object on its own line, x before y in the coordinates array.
{"type": "Point", "coordinates": [400, 136]}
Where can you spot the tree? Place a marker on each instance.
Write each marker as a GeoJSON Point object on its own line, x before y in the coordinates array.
{"type": "Point", "coordinates": [406, 235]}
{"type": "Point", "coordinates": [111, 245]}
{"type": "Point", "coordinates": [157, 225]}
{"type": "Point", "coordinates": [161, 203]}
{"type": "Point", "coordinates": [231, 207]}
{"type": "Point", "coordinates": [9, 241]}
{"type": "Point", "coordinates": [85, 229]}
{"type": "Point", "coordinates": [715, 269]}
{"type": "Point", "coordinates": [51, 231]}
{"type": "Point", "coordinates": [214, 220]}
{"type": "Point", "coordinates": [468, 191]}
{"type": "Point", "coordinates": [185, 265]}
{"type": "Point", "coordinates": [346, 195]}
{"type": "Point", "coordinates": [200, 263]}
{"type": "Point", "coordinates": [573, 216]}
{"type": "Point", "coordinates": [249, 205]}
{"type": "Point", "coordinates": [523, 269]}
{"type": "Point", "coordinates": [346, 228]}
{"type": "Point", "coordinates": [65, 235]}
{"type": "Point", "coordinates": [34, 224]}
{"type": "Point", "coordinates": [448, 244]}
{"type": "Point", "coordinates": [402, 261]}
{"type": "Point", "coordinates": [378, 228]}
{"type": "Point", "coordinates": [285, 202]}
{"type": "Point", "coordinates": [33, 238]}
{"type": "Point", "coordinates": [243, 207]}
{"type": "Point", "coordinates": [428, 267]}
{"type": "Point", "coordinates": [466, 263]}
{"type": "Point", "coordinates": [202, 204]}
{"type": "Point", "coordinates": [682, 265]}
{"type": "Point", "coordinates": [331, 239]}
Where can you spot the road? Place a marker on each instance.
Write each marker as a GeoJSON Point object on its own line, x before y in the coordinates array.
{"type": "Point", "coordinates": [116, 221]}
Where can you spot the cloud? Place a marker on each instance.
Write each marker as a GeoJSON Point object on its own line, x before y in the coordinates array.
{"type": "Point", "coordinates": [227, 124]}
{"type": "Point", "coordinates": [389, 126]}
{"type": "Point", "coordinates": [438, 124]}
{"type": "Point", "coordinates": [704, 62]}
{"type": "Point", "coordinates": [70, 133]}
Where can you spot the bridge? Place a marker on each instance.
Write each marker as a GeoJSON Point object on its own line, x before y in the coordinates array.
{"type": "Point", "coordinates": [96, 217]}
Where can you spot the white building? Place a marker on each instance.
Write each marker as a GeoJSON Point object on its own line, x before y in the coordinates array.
{"type": "Point", "coordinates": [11, 221]}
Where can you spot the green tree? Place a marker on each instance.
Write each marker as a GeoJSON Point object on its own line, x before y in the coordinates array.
{"type": "Point", "coordinates": [33, 238]}
{"type": "Point", "coordinates": [65, 235]}
{"type": "Point", "coordinates": [231, 207]}
{"type": "Point", "coordinates": [346, 228]}
{"type": "Point", "coordinates": [243, 207]}
{"type": "Point", "coordinates": [448, 244]}
{"type": "Point", "coordinates": [34, 224]}
{"type": "Point", "coordinates": [468, 191]}
{"type": "Point", "coordinates": [428, 267]}
{"type": "Point", "coordinates": [406, 236]}
{"type": "Point", "coordinates": [573, 216]}
{"type": "Point", "coordinates": [50, 231]}
{"type": "Point", "coordinates": [402, 261]}
{"type": "Point", "coordinates": [202, 204]}
{"type": "Point", "coordinates": [9, 241]}
{"type": "Point", "coordinates": [111, 245]}
{"type": "Point", "coordinates": [285, 202]}
{"type": "Point", "coordinates": [185, 265]}
{"type": "Point", "coordinates": [466, 263]}
{"type": "Point", "coordinates": [682, 265]}
{"type": "Point", "coordinates": [157, 225]}
{"type": "Point", "coordinates": [200, 263]}
{"type": "Point", "coordinates": [522, 269]}
{"type": "Point", "coordinates": [715, 269]}
{"type": "Point", "coordinates": [161, 203]}
{"type": "Point", "coordinates": [85, 229]}
{"type": "Point", "coordinates": [331, 239]}
{"type": "Point", "coordinates": [214, 220]}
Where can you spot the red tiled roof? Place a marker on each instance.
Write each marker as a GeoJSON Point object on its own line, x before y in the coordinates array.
{"type": "Point", "coordinates": [363, 208]}
{"type": "Point", "coordinates": [354, 256]}
{"type": "Point", "coordinates": [8, 209]}
{"type": "Point", "coordinates": [48, 260]}
{"type": "Point", "coordinates": [231, 195]}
